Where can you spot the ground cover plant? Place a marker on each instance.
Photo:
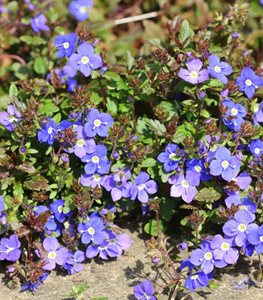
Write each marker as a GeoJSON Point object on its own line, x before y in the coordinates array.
{"type": "Point", "coordinates": [127, 108]}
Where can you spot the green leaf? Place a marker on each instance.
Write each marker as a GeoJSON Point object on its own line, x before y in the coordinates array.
{"type": "Point", "coordinates": [13, 91]}
{"type": "Point", "coordinates": [167, 208]}
{"type": "Point", "coordinates": [148, 162]}
{"type": "Point", "coordinates": [41, 65]}
{"type": "Point", "coordinates": [18, 190]}
{"type": "Point", "coordinates": [157, 127]}
{"type": "Point", "coordinates": [33, 40]}
{"type": "Point", "coordinates": [111, 106]}
{"type": "Point", "coordinates": [185, 32]}
{"type": "Point", "coordinates": [151, 227]}
{"type": "Point", "coordinates": [130, 60]}
{"type": "Point", "coordinates": [208, 195]}
{"type": "Point", "coordinates": [48, 107]}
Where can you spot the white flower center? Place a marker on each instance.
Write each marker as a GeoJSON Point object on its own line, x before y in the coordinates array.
{"type": "Point", "coordinates": [242, 207]}
{"type": "Point", "coordinates": [9, 249]}
{"type": "Point", "coordinates": [66, 45]}
{"type": "Point", "coordinates": [234, 111]}
{"type": "Point", "coordinates": [198, 169]}
{"type": "Point", "coordinates": [242, 227]}
{"type": "Point", "coordinates": [208, 255]}
{"type": "Point", "coordinates": [225, 164]}
{"type": "Point", "coordinates": [96, 178]}
{"type": "Point", "coordinates": [97, 123]}
{"type": "Point", "coordinates": [80, 143]}
{"type": "Point", "coordinates": [225, 246]}
{"type": "Point", "coordinates": [193, 74]}
{"type": "Point", "coordinates": [248, 82]}
{"type": "Point", "coordinates": [52, 255]}
{"type": "Point", "coordinates": [193, 277]}
{"type": "Point", "coordinates": [83, 9]}
{"type": "Point", "coordinates": [257, 150]}
{"type": "Point", "coordinates": [261, 238]}
{"type": "Point", "coordinates": [172, 156]}
{"type": "Point", "coordinates": [50, 129]}
{"type": "Point", "coordinates": [91, 230]}
{"type": "Point", "coordinates": [95, 159]}
{"type": "Point", "coordinates": [60, 209]}
{"type": "Point", "coordinates": [185, 183]}
{"type": "Point", "coordinates": [217, 69]}
{"type": "Point", "coordinates": [141, 187]}
{"type": "Point", "coordinates": [84, 60]}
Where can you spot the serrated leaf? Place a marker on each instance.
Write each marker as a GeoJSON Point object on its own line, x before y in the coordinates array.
{"type": "Point", "coordinates": [157, 127]}
{"type": "Point", "coordinates": [208, 195]}
{"type": "Point", "coordinates": [26, 167]}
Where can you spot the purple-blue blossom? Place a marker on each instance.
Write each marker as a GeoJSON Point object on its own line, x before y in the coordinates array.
{"type": "Point", "coordinates": [184, 186]}
{"type": "Point", "coordinates": [205, 258]}
{"type": "Point", "coordinates": [55, 253]}
{"type": "Point", "coordinates": [118, 184]}
{"type": "Point", "coordinates": [10, 117]}
{"type": "Point", "coordinates": [98, 123]}
{"type": "Point", "coordinates": [193, 74]}
{"type": "Point", "coordinates": [240, 226]}
{"type": "Point", "coordinates": [2, 213]}
{"type": "Point", "coordinates": [248, 82]}
{"type": "Point", "coordinates": [256, 148]}
{"type": "Point", "coordinates": [73, 262]}
{"type": "Point", "coordinates": [30, 285]}
{"type": "Point", "coordinates": [142, 187]}
{"type": "Point", "coordinates": [144, 291]}
{"type": "Point", "coordinates": [258, 113]}
{"type": "Point", "coordinates": [65, 44]}
{"type": "Point", "coordinates": [196, 280]}
{"type": "Point", "coordinates": [233, 114]}
{"type": "Point", "coordinates": [79, 9]}
{"type": "Point", "coordinates": [196, 168]}
{"type": "Point", "coordinates": [244, 204]}
{"type": "Point", "coordinates": [10, 248]}
{"type": "Point", "coordinates": [97, 162]}
{"type": "Point", "coordinates": [85, 60]}
{"type": "Point", "coordinates": [255, 237]}
{"type": "Point", "coordinates": [58, 209]}
{"type": "Point", "coordinates": [171, 157]}
{"type": "Point", "coordinates": [223, 249]}
{"type": "Point", "coordinates": [93, 230]}
{"type": "Point", "coordinates": [218, 69]}
{"type": "Point", "coordinates": [38, 23]}
{"type": "Point", "coordinates": [48, 131]}
{"type": "Point", "coordinates": [225, 164]}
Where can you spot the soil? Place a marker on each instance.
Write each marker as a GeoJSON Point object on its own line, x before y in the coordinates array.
{"type": "Point", "coordinates": [115, 279]}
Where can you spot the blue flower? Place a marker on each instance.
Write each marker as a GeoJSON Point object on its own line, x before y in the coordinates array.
{"type": "Point", "coordinates": [97, 162]}
{"type": "Point", "coordinates": [34, 285]}
{"type": "Point", "coordinates": [142, 187]}
{"type": "Point", "coordinates": [233, 114]}
{"type": "Point", "coordinates": [196, 167]}
{"type": "Point", "coordinates": [98, 123]}
{"type": "Point", "coordinates": [144, 291]}
{"type": "Point", "coordinates": [218, 69]}
{"type": "Point", "coordinates": [92, 231]}
{"type": "Point", "coordinates": [204, 257]}
{"type": "Point", "coordinates": [240, 226]}
{"type": "Point", "coordinates": [57, 207]}
{"type": "Point", "coordinates": [255, 237]}
{"type": "Point", "coordinates": [196, 280]}
{"type": "Point", "coordinates": [193, 74]}
{"type": "Point", "coordinates": [86, 60]}
{"type": "Point", "coordinates": [73, 262]}
{"type": "Point", "coordinates": [224, 164]}
{"type": "Point", "coordinates": [171, 157]}
{"type": "Point", "coordinates": [79, 9]}
{"type": "Point", "coordinates": [10, 118]}
{"type": "Point", "coordinates": [248, 82]}
{"type": "Point", "coordinates": [256, 148]}
{"type": "Point", "coordinates": [65, 44]}
{"type": "Point", "coordinates": [38, 23]}
{"type": "Point", "coordinates": [48, 132]}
